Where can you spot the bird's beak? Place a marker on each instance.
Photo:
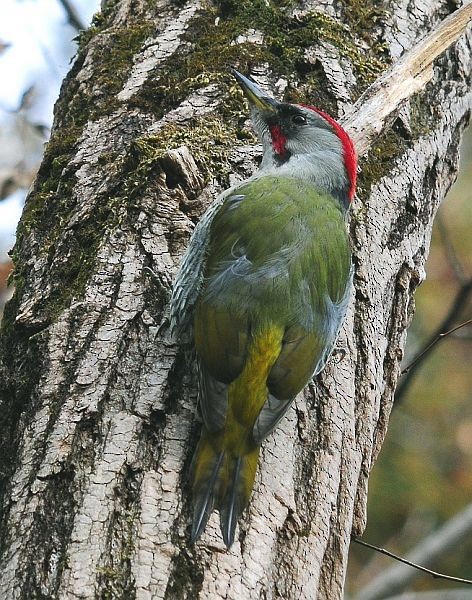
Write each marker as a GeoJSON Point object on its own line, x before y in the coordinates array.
{"type": "Point", "coordinates": [255, 95]}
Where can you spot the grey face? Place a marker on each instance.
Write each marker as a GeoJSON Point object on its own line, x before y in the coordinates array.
{"type": "Point", "coordinates": [291, 131]}
{"type": "Point", "coordinates": [297, 141]}
{"type": "Point", "coordinates": [286, 129]}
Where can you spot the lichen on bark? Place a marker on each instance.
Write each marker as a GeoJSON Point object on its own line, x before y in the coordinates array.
{"type": "Point", "coordinates": [98, 404]}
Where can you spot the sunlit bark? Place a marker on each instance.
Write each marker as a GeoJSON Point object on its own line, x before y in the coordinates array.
{"type": "Point", "coordinates": [99, 405]}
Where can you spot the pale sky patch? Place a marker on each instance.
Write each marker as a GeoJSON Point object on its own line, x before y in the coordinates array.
{"type": "Point", "coordinates": [39, 54]}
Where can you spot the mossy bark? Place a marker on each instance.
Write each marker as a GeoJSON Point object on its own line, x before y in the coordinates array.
{"type": "Point", "coordinates": [98, 414]}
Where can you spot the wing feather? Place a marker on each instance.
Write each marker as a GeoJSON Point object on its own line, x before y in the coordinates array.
{"type": "Point", "coordinates": [275, 252]}
{"type": "Point", "coordinates": [189, 279]}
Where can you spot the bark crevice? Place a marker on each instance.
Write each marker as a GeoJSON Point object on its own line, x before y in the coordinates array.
{"type": "Point", "coordinates": [99, 403]}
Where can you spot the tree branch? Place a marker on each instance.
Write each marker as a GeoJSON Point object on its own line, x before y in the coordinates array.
{"type": "Point", "coordinates": [72, 15]}
{"type": "Point", "coordinates": [434, 574]}
{"type": "Point", "coordinates": [396, 578]}
{"type": "Point", "coordinates": [429, 347]}
{"type": "Point", "coordinates": [369, 116]}
{"type": "Point", "coordinates": [99, 408]}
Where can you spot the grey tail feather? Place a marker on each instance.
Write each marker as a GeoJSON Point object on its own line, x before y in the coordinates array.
{"type": "Point", "coordinates": [204, 502]}
{"type": "Point", "coordinates": [230, 508]}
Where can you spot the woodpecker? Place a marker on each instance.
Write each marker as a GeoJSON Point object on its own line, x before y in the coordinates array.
{"type": "Point", "coordinates": [264, 287]}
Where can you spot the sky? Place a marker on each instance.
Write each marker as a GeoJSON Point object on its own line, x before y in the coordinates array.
{"type": "Point", "coordinates": [39, 52]}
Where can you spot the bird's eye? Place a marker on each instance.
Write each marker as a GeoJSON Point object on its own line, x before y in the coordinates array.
{"type": "Point", "coordinates": [299, 120]}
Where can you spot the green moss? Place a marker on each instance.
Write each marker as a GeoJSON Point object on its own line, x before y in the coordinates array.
{"type": "Point", "coordinates": [113, 50]}
{"type": "Point", "coordinates": [423, 115]}
{"type": "Point", "coordinates": [363, 16]}
{"type": "Point", "coordinates": [209, 140]}
{"type": "Point", "coordinates": [51, 198]}
{"type": "Point", "coordinates": [379, 160]}
{"type": "Point", "coordinates": [51, 202]}
{"type": "Point", "coordinates": [100, 21]}
{"type": "Point", "coordinates": [285, 40]}
{"type": "Point", "coordinates": [119, 47]}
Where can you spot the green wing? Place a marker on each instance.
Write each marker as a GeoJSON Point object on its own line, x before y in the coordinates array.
{"type": "Point", "coordinates": [278, 255]}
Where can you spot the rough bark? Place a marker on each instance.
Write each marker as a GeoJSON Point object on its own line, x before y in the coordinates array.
{"type": "Point", "coordinates": [99, 404]}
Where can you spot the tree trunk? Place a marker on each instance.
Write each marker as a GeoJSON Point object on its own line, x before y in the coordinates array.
{"type": "Point", "coordinates": [99, 404]}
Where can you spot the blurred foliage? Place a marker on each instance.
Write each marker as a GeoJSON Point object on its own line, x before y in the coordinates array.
{"type": "Point", "coordinates": [423, 476]}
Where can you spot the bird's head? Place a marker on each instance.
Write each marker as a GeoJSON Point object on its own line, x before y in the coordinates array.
{"type": "Point", "coordinates": [302, 141]}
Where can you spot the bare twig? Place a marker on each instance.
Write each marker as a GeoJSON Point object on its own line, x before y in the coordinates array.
{"type": "Point", "coordinates": [463, 336]}
{"type": "Point", "coordinates": [440, 337]}
{"type": "Point", "coordinates": [454, 594]}
{"type": "Point", "coordinates": [460, 301]}
{"type": "Point", "coordinates": [370, 114]}
{"type": "Point", "coordinates": [72, 15]}
{"type": "Point", "coordinates": [434, 574]}
{"type": "Point", "coordinates": [397, 577]}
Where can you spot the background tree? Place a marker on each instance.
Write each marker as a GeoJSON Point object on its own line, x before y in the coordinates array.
{"type": "Point", "coordinates": [98, 411]}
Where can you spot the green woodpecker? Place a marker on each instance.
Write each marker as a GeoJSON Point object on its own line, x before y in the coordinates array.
{"type": "Point", "coordinates": [264, 287]}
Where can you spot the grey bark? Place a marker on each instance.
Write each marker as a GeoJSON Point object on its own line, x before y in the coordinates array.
{"type": "Point", "coordinates": [99, 404]}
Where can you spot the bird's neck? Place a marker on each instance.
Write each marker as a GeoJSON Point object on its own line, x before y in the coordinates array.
{"type": "Point", "coordinates": [322, 168]}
